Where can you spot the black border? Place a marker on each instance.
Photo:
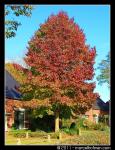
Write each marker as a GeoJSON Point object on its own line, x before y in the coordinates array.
{"type": "Point", "coordinates": [2, 78]}
{"type": "Point", "coordinates": [57, 2]}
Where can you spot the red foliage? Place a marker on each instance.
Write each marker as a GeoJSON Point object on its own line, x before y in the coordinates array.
{"type": "Point", "coordinates": [12, 104]}
{"type": "Point", "coordinates": [18, 67]}
{"type": "Point", "coordinates": [58, 51]}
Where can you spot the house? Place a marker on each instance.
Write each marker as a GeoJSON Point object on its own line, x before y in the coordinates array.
{"type": "Point", "coordinates": [99, 109]}
{"type": "Point", "coordinates": [19, 116]}
{"type": "Point", "coordinates": [11, 93]}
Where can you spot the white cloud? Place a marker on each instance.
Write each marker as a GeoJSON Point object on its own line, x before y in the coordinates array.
{"type": "Point", "coordinates": [16, 60]}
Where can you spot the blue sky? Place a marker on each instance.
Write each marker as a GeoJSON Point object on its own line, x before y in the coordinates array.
{"type": "Point", "coordinates": [93, 19]}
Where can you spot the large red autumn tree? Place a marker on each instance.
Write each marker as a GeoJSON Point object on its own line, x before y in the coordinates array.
{"type": "Point", "coordinates": [59, 59]}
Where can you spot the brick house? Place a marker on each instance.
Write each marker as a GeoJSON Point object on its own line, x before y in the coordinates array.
{"type": "Point", "coordinates": [11, 93]}
{"type": "Point", "coordinates": [20, 116]}
{"type": "Point", "coordinates": [99, 109]}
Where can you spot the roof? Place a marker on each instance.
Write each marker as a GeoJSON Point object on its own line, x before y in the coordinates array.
{"type": "Point", "coordinates": [107, 105]}
{"type": "Point", "coordinates": [10, 87]}
{"type": "Point", "coordinates": [100, 105]}
{"type": "Point", "coordinates": [11, 92]}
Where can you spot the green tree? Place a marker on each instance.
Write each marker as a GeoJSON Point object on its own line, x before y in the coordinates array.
{"type": "Point", "coordinates": [11, 11]}
{"type": "Point", "coordinates": [104, 67]}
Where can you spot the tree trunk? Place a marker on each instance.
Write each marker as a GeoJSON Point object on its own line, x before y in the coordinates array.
{"type": "Point", "coordinates": [56, 121]}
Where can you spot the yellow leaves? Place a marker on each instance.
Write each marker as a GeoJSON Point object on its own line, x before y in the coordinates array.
{"type": "Point", "coordinates": [50, 112]}
{"type": "Point", "coordinates": [29, 88]}
{"type": "Point", "coordinates": [17, 75]}
{"type": "Point", "coordinates": [24, 89]}
{"type": "Point", "coordinates": [35, 103]}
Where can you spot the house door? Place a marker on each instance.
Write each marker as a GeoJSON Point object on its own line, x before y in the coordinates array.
{"type": "Point", "coordinates": [19, 118]}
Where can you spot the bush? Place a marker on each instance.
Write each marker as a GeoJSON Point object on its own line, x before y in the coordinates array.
{"type": "Point", "coordinates": [100, 126]}
{"type": "Point", "coordinates": [88, 124]}
{"type": "Point", "coordinates": [93, 126]}
{"type": "Point", "coordinates": [65, 129]}
{"type": "Point", "coordinates": [73, 125]}
{"type": "Point", "coordinates": [13, 126]}
{"type": "Point", "coordinates": [71, 131]}
{"type": "Point", "coordinates": [75, 131]}
{"type": "Point", "coordinates": [104, 119]}
{"type": "Point", "coordinates": [80, 122]}
{"type": "Point", "coordinates": [97, 126]}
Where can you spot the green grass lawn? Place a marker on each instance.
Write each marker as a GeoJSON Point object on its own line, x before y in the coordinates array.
{"type": "Point", "coordinates": [93, 137]}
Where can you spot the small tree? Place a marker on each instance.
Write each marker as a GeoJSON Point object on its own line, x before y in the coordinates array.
{"type": "Point", "coordinates": [59, 59]}
{"type": "Point", "coordinates": [104, 67]}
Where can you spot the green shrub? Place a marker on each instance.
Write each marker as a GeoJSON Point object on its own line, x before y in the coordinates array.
{"type": "Point", "coordinates": [65, 129]}
{"type": "Point", "coordinates": [103, 127]}
{"type": "Point", "coordinates": [93, 126]}
{"type": "Point", "coordinates": [104, 119]}
{"type": "Point", "coordinates": [97, 126]}
{"type": "Point", "coordinates": [71, 131]}
{"type": "Point", "coordinates": [88, 124]}
{"type": "Point", "coordinates": [79, 122]}
{"type": "Point", "coordinates": [13, 126]}
{"type": "Point", "coordinates": [73, 125]}
{"type": "Point", "coordinates": [75, 131]}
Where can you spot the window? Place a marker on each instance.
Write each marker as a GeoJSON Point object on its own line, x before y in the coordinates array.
{"type": "Point", "coordinates": [19, 119]}
{"type": "Point", "coordinates": [95, 118]}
